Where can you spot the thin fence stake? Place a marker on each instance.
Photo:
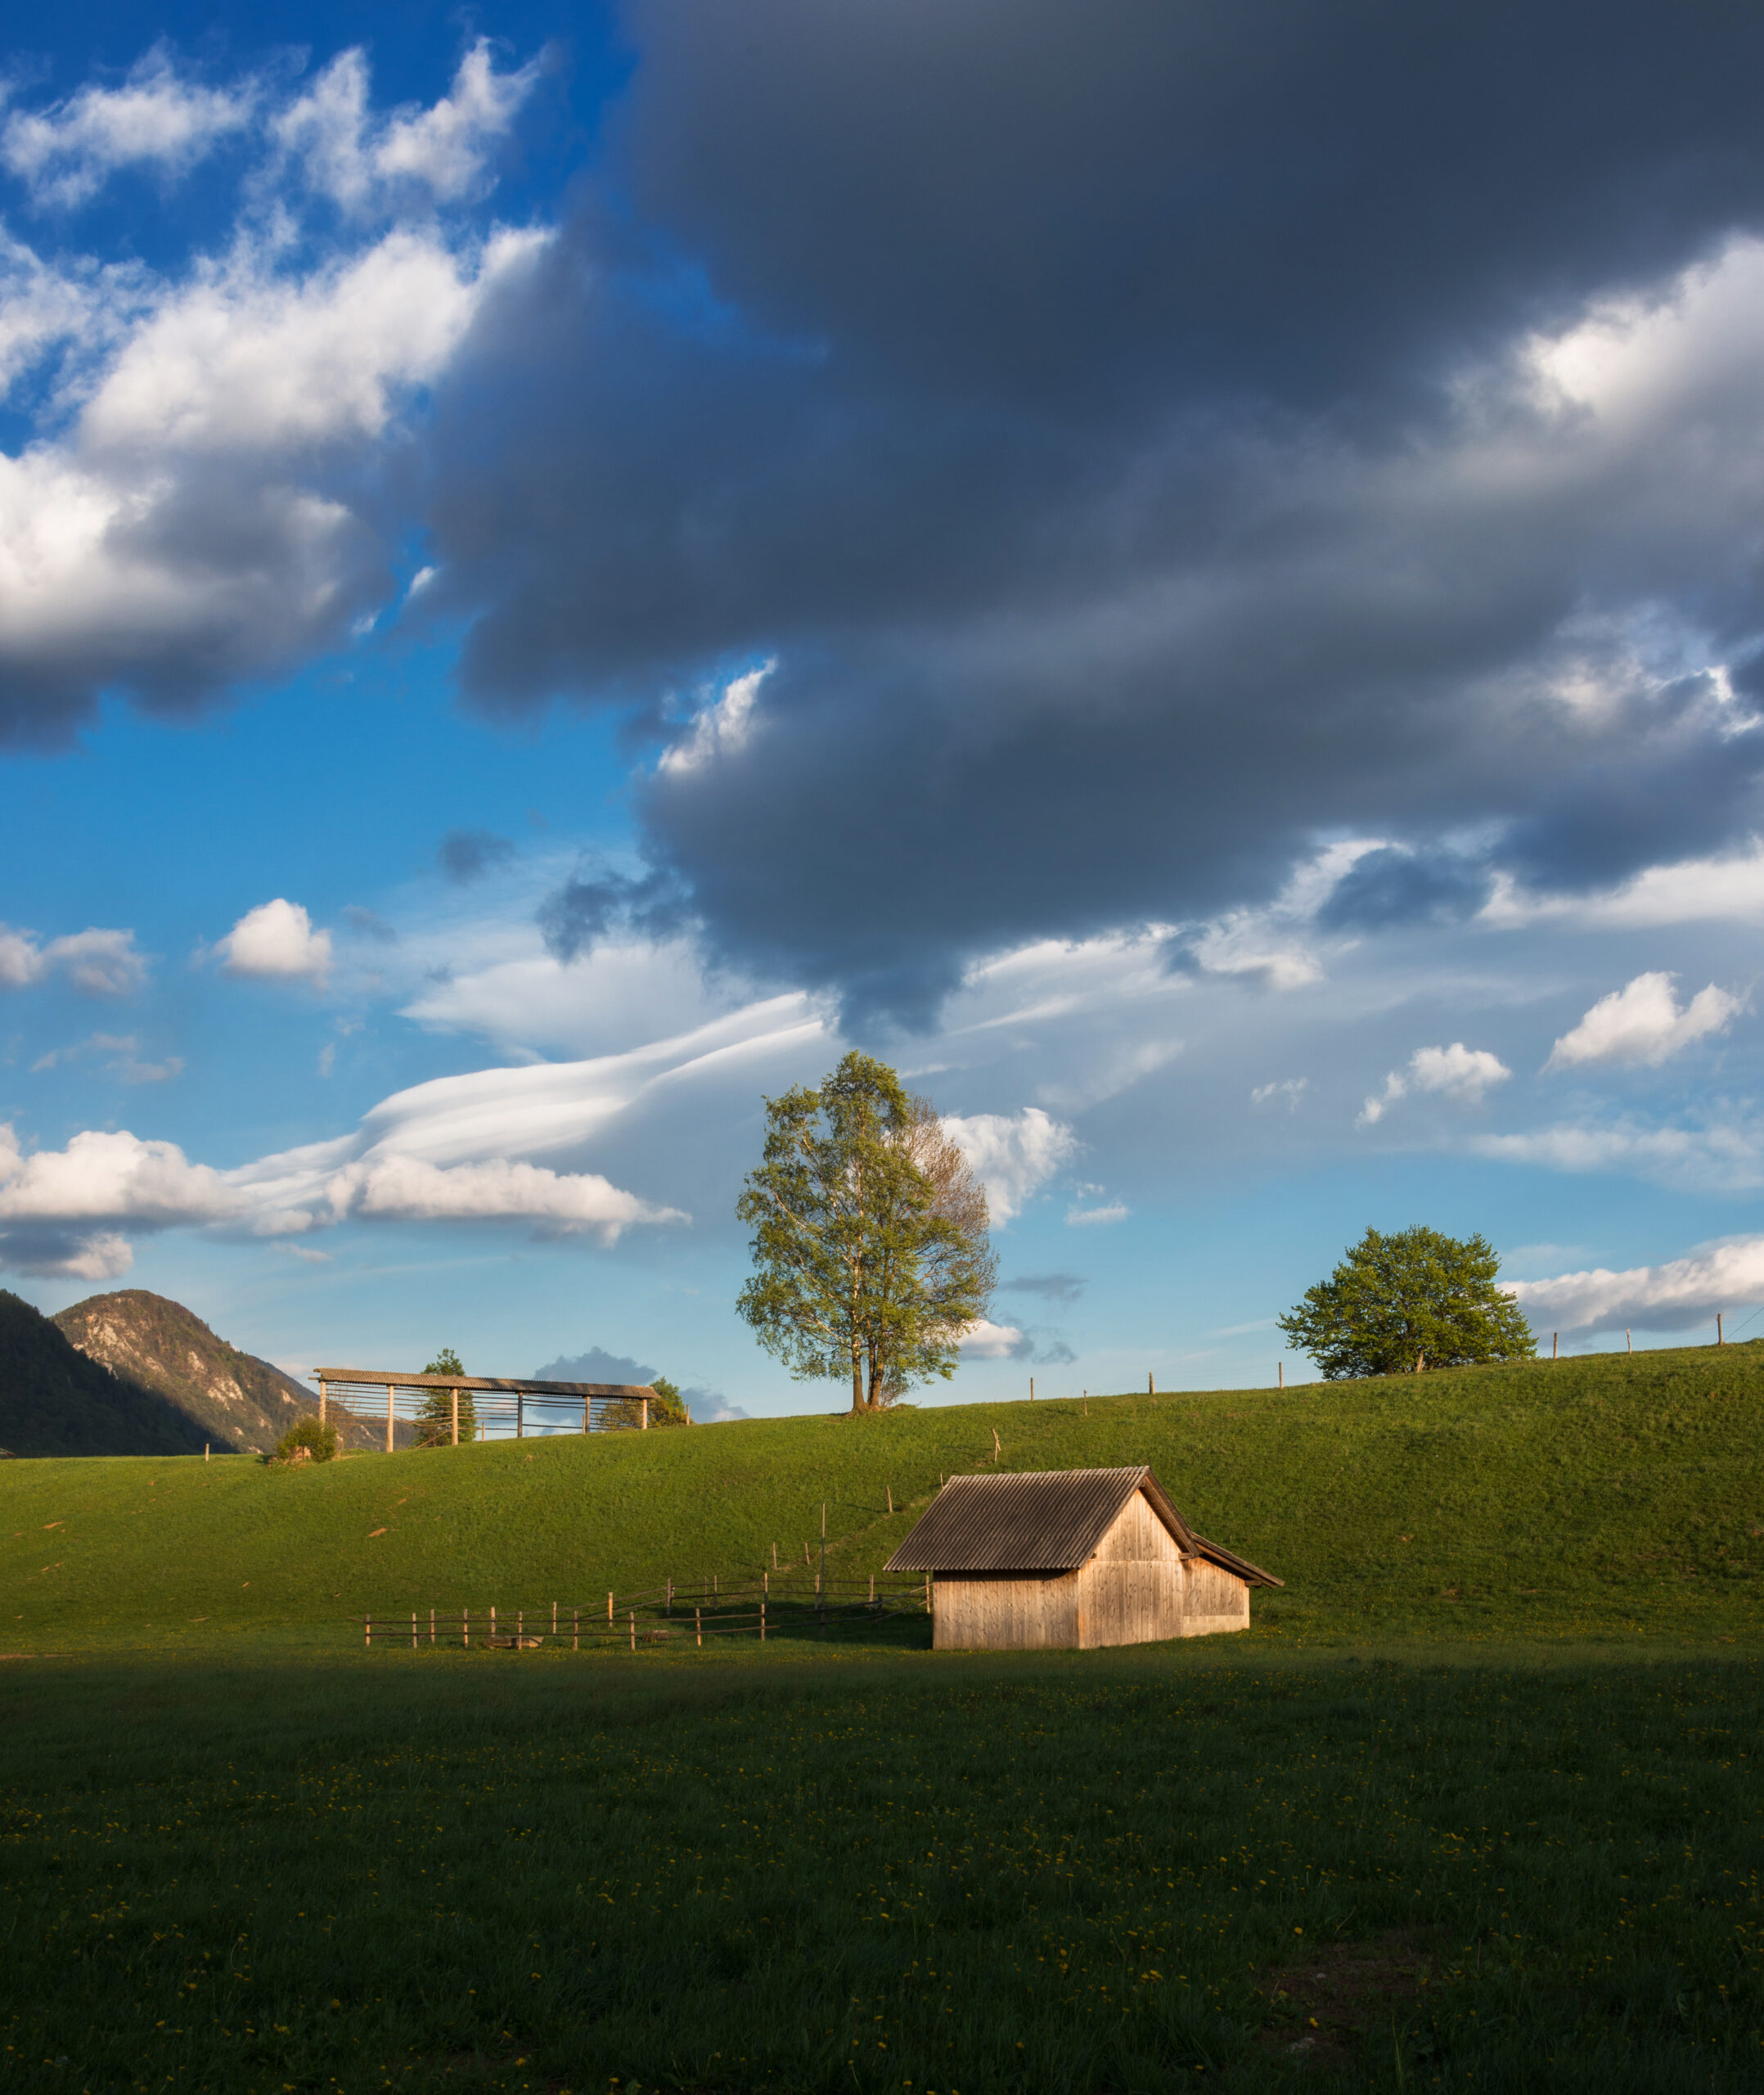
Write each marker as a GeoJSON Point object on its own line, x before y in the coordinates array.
{"type": "Point", "coordinates": [431, 1625]}
{"type": "Point", "coordinates": [575, 1629]}
{"type": "Point", "coordinates": [554, 1618]}
{"type": "Point", "coordinates": [774, 1556]}
{"type": "Point", "coordinates": [890, 1489]}
{"type": "Point", "coordinates": [633, 1629]}
{"type": "Point", "coordinates": [413, 1629]}
{"type": "Point", "coordinates": [464, 1624]}
{"type": "Point", "coordinates": [761, 1622]}
{"type": "Point", "coordinates": [608, 1610]}
{"type": "Point", "coordinates": [368, 1632]}
{"type": "Point", "coordinates": [493, 1625]}
{"type": "Point", "coordinates": [698, 1626]}
{"type": "Point", "coordinates": [520, 1626]}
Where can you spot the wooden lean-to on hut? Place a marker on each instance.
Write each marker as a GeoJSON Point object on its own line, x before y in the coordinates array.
{"type": "Point", "coordinates": [1071, 1559]}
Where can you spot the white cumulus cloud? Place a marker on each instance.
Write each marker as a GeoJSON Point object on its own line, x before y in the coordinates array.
{"type": "Point", "coordinates": [1015, 1154]}
{"type": "Point", "coordinates": [99, 964]}
{"type": "Point", "coordinates": [277, 939]}
{"type": "Point", "coordinates": [1097, 1217]}
{"type": "Point", "coordinates": [407, 1189]}
{"type": "Point", "coordinates": [1463, 1074]}
{"type": "Point", "coordinates": [987, 1340]}
{"type": "Point", "coordinates": [1726, 1275]}
{"type": "Point", "coordinates": [360, 160]}
{"type": "Point", "coordinates": [67, 151]}
{"type": "Point", "coordinates": [721, 728]}
{"type": "Point", "coordinates": [1642, 1023]}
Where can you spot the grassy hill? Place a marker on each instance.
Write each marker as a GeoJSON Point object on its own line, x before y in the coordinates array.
{"type": "Point", "coordinates": [55, 1401]}
{"type": "Point", "coordinates": [1603, 1497]}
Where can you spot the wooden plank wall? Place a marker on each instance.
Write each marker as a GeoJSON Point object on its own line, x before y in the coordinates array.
{"type": "Point", "coordinates": [1005, 1611]}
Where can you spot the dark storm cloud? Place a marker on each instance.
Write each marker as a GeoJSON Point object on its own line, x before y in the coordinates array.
{"type": "Point", "coordinates": [573, 917]}
{"type": "Point", "coordinates": [1392, 886]}
{"type": "Point", "coordinates": [467, 854]}
{"type": "Point", "coordinates": [1113, 423]}
{"type": "Point", "coordinates": [1051, 1287]}
{"type": "Point", "coordinates": [596, 1365]}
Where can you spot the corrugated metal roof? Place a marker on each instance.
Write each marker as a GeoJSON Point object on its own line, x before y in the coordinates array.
{"type": "Point", "coordinates": [1042, 1520]}
{"type": "Point", "coordinates": [1046, 1520]}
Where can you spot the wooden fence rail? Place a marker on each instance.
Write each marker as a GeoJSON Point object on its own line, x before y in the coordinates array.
{"type": "Point", "coordinates": [658, 1615]}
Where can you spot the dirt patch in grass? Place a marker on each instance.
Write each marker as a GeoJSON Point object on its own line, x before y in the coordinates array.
{"type": "Point", "coordinates": [1322, 2007]}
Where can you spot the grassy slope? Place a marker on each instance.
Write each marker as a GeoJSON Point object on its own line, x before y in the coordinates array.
{"type": "Point", "coordinates": [1600, 1497]}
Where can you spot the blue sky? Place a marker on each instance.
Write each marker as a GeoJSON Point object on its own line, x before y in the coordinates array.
{"type": "Point", "coordinates": [1193, 583]}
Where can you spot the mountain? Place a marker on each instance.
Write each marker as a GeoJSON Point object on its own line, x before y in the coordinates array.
{"type": "Point", "coordinates": [55, 1401]}
{"type": "Point", "coordinates": [232, 1398]}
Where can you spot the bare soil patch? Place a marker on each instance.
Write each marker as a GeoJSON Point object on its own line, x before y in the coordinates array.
{"type": "Point", "coordinates": [1322, 2007]}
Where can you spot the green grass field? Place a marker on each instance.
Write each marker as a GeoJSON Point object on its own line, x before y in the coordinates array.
{"type": "Point", "coordinates": [1598, 1497]}
{"type": "Point", "coordinates": [1473, 1805]}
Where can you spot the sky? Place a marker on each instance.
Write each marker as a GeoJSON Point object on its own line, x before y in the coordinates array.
{"type": "Point", "coordinates": [1189, 576]}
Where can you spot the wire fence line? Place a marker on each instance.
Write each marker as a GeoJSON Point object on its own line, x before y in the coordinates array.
{"type": "Point", "coordinates": [667, 1614]}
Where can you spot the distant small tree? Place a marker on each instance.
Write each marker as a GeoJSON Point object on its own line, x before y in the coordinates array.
{"type": "Point", "coordinates": [434, 1416]}
{"type": "Point", "coordinates": [308, 1439]}
{"type": "Point", "coordinates": [667, 1407]}
{"type": "Point", "coordinates": [1410, 1300]}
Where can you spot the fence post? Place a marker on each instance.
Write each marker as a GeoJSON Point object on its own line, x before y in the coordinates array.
{"type": "Point", "coordinates": [608, 1610]}
{"type": "Point", "coordinates": [646, 1401]}
{"type": "Point", "coordinates": [633, 1629]}
{"type": "Point", "coordinates": [493, 1625]}
{"type": "Point", "coordinates": [455, 1417]}
{"type": "Point", "coordinates": [391, 1392]}
{"type": "Point", "coordinates": [761, 1622]}
{"type": "Point", "coordinates": [520, 1414]}
{"type": "Point", "coordinates": [520, 1626]}
{"type": "Point", "coordinates": [431, 1625]}
{"type": "Point", "coordinates": [698, 1626]}
{"type": "Point", "coordinates": [464, 1624]}
{"type": "Point", "coordinates": [367, 1631]}
{"type": "Point", "coordinates": [321, 1400]}
{"type": "Point", "coordinates": [554, 1618]}
{"type": "Point", "coordinates": [413, 1629]}
{"type": "Point", "coordinates": [575, 1629]}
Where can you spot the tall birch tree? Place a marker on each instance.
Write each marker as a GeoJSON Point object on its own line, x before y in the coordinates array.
{"type": "Point", "coordinates": [870, 1257]}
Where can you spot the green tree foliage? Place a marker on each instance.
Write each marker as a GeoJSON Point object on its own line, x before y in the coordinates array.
{"type": "Point", "coordinates": [310, 1439]}
{"type": "Point", "coordinates": [1400, 1302]}
{"type": "Point", "coordinates": [667, 1407]}
{"type": "Point", "coordinates": [870, 1255]}
{"type": "Point", "coordinates": [434, 1417]}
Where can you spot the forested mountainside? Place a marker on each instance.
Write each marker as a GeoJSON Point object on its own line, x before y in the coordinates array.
{"type": "Point", "coordinates": [56, 1400]}
{"type": "Point", "coordinates": [231, 1396]}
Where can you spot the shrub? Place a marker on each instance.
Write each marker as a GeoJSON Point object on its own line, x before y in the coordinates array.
{"type": "Point", "coordinates": [308, 1439]}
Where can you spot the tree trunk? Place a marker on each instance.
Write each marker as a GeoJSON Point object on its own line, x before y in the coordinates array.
{"type": "Point", "coordinates": [857, 1379]}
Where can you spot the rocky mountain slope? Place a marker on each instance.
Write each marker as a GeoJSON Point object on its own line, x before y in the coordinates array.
{"type": "Point", "coordinates": [54, 1400]}
{"type": "Point", "coordinates": [231, 1396]}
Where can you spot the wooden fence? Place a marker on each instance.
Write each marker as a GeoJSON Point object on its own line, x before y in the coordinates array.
{"type": "Point", "coordinates": [661, 1616]}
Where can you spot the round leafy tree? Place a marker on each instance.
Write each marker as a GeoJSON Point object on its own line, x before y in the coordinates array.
{"type": "Point", "coordinates": [1411, 1300]}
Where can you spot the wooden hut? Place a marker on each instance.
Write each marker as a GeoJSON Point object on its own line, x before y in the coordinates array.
{"type": "Point", "coordinates": [1071, 1559]}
